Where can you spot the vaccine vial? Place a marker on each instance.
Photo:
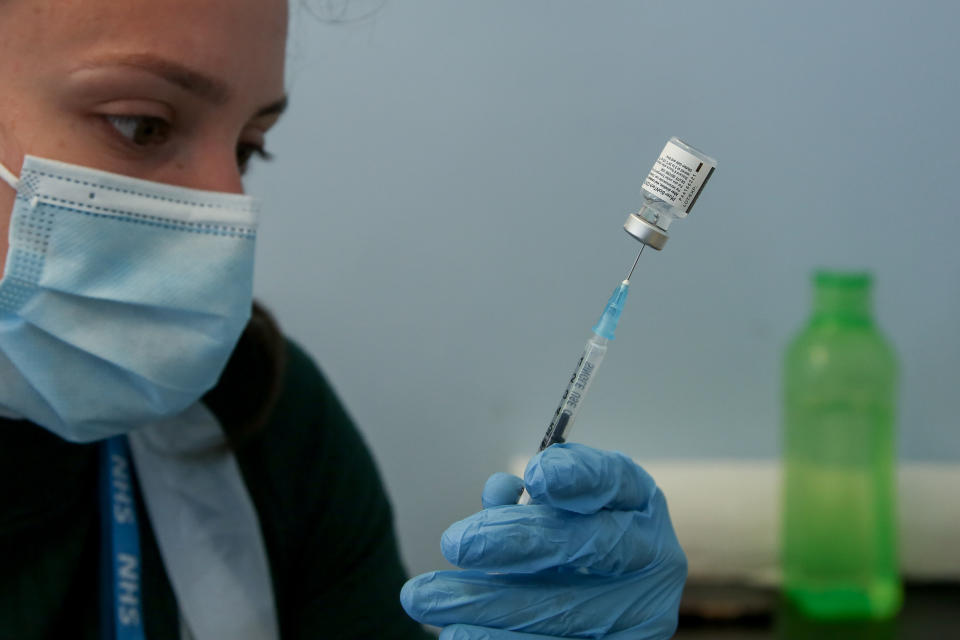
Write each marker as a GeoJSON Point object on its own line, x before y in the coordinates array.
{"type": "Point", "coordinates": [670, 191]}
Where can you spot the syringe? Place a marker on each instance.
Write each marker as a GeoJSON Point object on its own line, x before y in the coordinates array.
{"type": "Point", "coordinates": [586, 369]}
{"type": "Point", "coordinates": [669, 193]}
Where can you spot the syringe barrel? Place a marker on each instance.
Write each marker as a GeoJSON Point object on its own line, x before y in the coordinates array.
{"type": "Point", "coordinates": [576, 391]}
{"type": "Point", "coordinates": [573, 396]}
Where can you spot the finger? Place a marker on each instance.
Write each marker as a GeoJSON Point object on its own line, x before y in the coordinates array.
{"type": "Point", "coordinates": [642, 605]}
{"type": "Point", "coordinates": [501, 489]}
{"type": "Point", "coordinates": [532, 538]}
{"type": "Point", "coordinates": [582, 479]}
{"type": "Point", "coordinates": [470, 632]}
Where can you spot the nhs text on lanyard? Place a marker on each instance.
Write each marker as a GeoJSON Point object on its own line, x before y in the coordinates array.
{"type": "Point", "coordinates": [121, 615]}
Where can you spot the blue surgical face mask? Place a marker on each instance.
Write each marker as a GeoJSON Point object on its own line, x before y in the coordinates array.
{"type": "Point", "coordinates": [121, 299]}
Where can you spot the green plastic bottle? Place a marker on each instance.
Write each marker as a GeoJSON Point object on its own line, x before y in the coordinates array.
{"type": "Point", "coordinates": [839, 549]}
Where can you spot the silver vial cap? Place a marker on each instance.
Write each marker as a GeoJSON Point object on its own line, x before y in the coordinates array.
{"type": "Point", "coordinates": [646, 232]}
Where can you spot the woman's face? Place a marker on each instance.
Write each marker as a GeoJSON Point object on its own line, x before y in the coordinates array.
{"type": "Point", "coordinates": [176, 91]}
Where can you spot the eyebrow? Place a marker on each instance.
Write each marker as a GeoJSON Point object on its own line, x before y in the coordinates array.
{"type": "Point", "coordinates": [200, 84]}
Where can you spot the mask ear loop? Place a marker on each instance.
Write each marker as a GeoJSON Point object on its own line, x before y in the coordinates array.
{"type": "Point", "coordinates": [7, 176]}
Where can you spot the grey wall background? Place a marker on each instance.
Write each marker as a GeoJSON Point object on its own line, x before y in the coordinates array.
{"type": "Point", "coordinates": [444, 221]}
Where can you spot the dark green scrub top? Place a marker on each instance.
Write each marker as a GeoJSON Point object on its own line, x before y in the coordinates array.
{"type": "Point", "coordinates": [325, 519]}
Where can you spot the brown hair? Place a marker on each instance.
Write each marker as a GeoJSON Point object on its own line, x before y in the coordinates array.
{"type": "Point", "coordinates": [250, 385]}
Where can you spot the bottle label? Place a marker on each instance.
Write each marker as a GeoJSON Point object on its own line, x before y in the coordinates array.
{"type": "Point", "coordinates": [677, 177]}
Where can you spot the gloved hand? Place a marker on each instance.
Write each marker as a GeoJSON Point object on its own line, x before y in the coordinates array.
{"type": "Point", "coordinates": [594, 556]}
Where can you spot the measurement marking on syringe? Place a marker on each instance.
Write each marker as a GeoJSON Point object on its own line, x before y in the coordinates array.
{"type": "Point", "coordinates": [584, 378]}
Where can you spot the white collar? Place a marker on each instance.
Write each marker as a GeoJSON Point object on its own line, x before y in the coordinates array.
{"type": "Point", "coordinates": [206, 527]}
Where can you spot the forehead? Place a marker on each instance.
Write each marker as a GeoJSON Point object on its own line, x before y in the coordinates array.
{"type": "Point", "coordinates": [240, 41]}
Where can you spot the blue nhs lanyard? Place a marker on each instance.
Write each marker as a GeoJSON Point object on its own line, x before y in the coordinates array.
{"type": "Point", "coordinates": [120, 593]}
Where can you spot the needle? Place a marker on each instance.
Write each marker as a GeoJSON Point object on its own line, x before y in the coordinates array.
{"type": "Point", "coordinates": [629, 275]}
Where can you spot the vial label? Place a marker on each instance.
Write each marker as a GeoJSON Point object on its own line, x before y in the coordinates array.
{"type": "Point", "coordinates": [677, 177]}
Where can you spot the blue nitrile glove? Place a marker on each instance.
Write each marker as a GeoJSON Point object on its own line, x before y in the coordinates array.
{"type": "Point", "coordinates": [595, 556]}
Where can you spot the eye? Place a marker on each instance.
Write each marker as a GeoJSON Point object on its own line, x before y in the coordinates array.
{"type": "Point", "coordinates": [142, 131]}
{"type": "Point", "coordinates": [246, 150]}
